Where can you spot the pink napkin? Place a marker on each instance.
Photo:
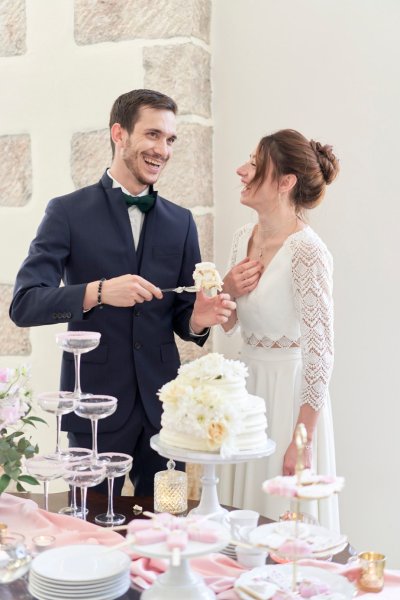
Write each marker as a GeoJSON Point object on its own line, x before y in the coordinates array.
{"type": "Point", "coordinates": [24, 516]}
{"type": "Point", "coordinates": [219, 572]}
{"type": "Point", "coordinates": [391, 590]}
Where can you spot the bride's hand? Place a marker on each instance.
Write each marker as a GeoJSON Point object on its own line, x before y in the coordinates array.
{"type": "Point", "coordinates": [242, 278]}
{"type": "Point", "coordinates": [290, 458]}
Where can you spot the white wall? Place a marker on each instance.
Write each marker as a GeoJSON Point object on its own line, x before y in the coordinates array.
{"type": "Point", "coordinates": [329, 68]}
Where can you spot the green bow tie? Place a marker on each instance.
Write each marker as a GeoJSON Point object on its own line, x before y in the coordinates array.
{"type": "Point", "coordinates": [144, 203]}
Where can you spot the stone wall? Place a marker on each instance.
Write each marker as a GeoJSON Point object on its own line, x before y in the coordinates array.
{"type": "Point", "coordinates": [172, 37]}
{"type": "Point", "coordinates": [62, 64]}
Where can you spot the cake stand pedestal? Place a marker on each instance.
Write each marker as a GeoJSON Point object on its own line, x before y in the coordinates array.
{"type": "Point", "coordinates": [209, 503]}
{"type": "Point", "coordinates": [180, 582]}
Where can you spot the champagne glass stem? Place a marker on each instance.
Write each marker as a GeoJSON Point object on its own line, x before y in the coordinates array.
{"type": "Point", "coordinates": [83, 502]}
{"type": "Point", "coordinates": [74, 505]}
{"type": "Point", "coordinates": [46, 494]}
{"type": "Point", "coordinates": [58, 421]}
{"type": "Point", "coordinates": [110, 503]}
{"type": "Point", "coordinates": [94, 439]}
{"type": "Point", "coordinates": [77, 361]}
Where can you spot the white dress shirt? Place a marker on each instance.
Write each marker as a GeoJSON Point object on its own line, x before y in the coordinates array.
{"type": "Point", "coordinates": [136, 216]}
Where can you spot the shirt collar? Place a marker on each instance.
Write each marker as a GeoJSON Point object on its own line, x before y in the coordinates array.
{"type": "Point", "coordinates": [116, 184]}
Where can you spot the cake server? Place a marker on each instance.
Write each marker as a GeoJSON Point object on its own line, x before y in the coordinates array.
{"type": "Point", "coordinates": [179, 290]}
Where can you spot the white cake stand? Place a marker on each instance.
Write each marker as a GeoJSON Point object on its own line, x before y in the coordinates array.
{"type": "Point", "coordinates": [209, 502]}
{"type": "Point", "coordinates": [180, 582]}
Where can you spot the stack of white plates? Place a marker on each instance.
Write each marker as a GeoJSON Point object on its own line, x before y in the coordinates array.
{"type": "Point", "coordinates": [80, 572]}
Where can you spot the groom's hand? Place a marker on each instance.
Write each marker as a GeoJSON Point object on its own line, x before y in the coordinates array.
{"type": "Point", "coordinates": [123, 291]}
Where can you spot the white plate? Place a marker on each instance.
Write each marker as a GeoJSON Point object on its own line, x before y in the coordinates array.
{"type": "Point", "coordinates": [71, 586]}
{"type": "Point", "coordinates": [193, 549]}
{"type": "Point", "coordinates": [53, 587]}
{"type": "Point", "coordinates": [106, 595]}
{"type": "Point", "coordinates": [80, 563]}
{"type": "Point", "coordinates": [323, 541]}
{"type": "Point", "coordinates": [282, 576]}
{"type": "Point", "coordinates": [229, 550]}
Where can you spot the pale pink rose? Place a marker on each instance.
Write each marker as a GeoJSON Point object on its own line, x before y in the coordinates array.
{"type": "Point", "coordinates": [10, 414]}
{"type": "Point", "coordinates": [4, 375]}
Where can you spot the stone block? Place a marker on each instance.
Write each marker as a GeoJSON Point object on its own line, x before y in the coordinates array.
{"type": "Point", "coordinates": [115, 20]}
{"type": "Point", "coordinates": [15, 170]}
{"type": "Point", "coordinates": [14, 341]}
{"type": "Point", "coordinates": [12, 27]}
{"type": "Point", "coordinates": [194, 473]}
{"type": "Point", "coordinates": [189, 351]}
{"type": "Point", "coordinates": [205, 228]}
{"type": "Point", "coordinates": [188, 178]}
{"type": "Point", "coordinates": [181, 71]}
{"type": "Point", "coordinates": [90, 156]}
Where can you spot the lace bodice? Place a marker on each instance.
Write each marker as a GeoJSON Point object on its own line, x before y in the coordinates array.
{"type": "Point", "coordinates": [292, 306]}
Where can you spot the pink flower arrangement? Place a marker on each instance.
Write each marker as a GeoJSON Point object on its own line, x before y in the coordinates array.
{"type": "Point", "coordinates": [15, 408]}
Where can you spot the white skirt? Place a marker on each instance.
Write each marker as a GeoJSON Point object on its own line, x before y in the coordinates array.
{"type": "Point", "coordinates": [275, 375]}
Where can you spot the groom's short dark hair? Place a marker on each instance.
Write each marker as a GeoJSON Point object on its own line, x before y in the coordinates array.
{"type": "Point", "coordinates": [126, 107]}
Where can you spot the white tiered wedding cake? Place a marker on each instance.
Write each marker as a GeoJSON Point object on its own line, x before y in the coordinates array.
{"type": "Point", "coordinates": [207, 408]}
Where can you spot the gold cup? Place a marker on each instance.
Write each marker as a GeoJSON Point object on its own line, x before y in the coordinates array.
{"type": "Point", "coordinates": [372, 571]}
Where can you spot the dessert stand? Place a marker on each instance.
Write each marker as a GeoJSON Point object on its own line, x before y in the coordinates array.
{"type": "Point", "coordinates": [316, 489]}
{"type": "Point", "coordinates": [180, 582]}
{"type": "Point", "coordinates": [209, 503]}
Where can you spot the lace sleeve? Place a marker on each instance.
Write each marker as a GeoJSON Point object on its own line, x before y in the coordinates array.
{"type": "Point", "coordinates": [312, 286]}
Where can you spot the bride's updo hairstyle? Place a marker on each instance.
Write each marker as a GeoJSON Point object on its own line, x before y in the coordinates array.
{"type": "Point", "coordinates": [288, 152]}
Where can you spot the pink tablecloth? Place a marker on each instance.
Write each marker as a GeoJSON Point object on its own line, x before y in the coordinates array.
{"type": "Point", "coordinates": [391, 590]}
{"type": "Point", "coordinates": [24, 516]}
{"type": "Point", "coordinates": [220, 572]}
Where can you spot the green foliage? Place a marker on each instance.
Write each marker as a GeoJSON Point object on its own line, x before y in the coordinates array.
{"type": "Point", "coordinates": [15, 409]}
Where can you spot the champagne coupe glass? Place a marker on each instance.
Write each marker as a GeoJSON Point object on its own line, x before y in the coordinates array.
{"type": "Point", "coordinates": [45, 468]}
{"type": "Point", "coordinates": [84, 474]}
{"type": "Point", "coordinates": [75, 455]}
{"type": "Point", "coordinates": [78, 342]}
{"type": "Point", "coordinates": [58, 403]}
{"type": "Point", "coordinates": [117, 465]}
{"type": "Point", "coordinates": [94, 408]}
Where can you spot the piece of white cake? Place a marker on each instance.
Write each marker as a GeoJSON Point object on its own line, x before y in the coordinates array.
{"type": "Point", "coordinates": [207, 278]}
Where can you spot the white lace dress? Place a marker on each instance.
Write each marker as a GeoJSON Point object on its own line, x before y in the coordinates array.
{"type": "Point", "coordinates": [286, 325]}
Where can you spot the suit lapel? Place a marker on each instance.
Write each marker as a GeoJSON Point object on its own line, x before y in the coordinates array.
{"type": "Point", "coordinates": [119, 218]}
{"type": "Point", "coordinates": [147, 238]}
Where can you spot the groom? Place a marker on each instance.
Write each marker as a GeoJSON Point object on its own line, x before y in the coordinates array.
{"type": "Point", "coordinates": [115, 245]}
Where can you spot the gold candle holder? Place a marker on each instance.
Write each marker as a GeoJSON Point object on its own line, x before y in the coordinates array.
{"type": "Point", "coordinates": [170, 490]}
{"type": "Point", "coordinates": [372, 571]}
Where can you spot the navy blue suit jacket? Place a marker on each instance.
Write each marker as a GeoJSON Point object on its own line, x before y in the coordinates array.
{"type": "Point", "coordinates": [84, 236]}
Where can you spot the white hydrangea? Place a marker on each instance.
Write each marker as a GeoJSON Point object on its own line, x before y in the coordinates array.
{"type": "Point", "coordinates": [213, 366]}
{"type": "Point", "coordinates": [199, 407]}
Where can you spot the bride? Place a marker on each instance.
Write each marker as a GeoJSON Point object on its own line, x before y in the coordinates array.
{"type": "Point", "coordinates": [281, 278]}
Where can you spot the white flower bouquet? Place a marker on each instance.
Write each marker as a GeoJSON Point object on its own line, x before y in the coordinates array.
{"type": "Point", "coordinates": [15, 408]}
{"type": "Point", "coordinates": [202, 408]}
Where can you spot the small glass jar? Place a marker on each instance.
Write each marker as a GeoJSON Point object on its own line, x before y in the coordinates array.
{"type": "Point", "coordinates": [170, 490]}
{"type": "Point", "coordinates": [14, 557]}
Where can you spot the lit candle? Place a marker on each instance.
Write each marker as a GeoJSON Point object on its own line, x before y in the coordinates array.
{"type": "Point", "coordinates": [170, 490]}
{"type": "Point", "coordinates": [43, 542]}
{"type": "Point", "coordinates": [372, 571]}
